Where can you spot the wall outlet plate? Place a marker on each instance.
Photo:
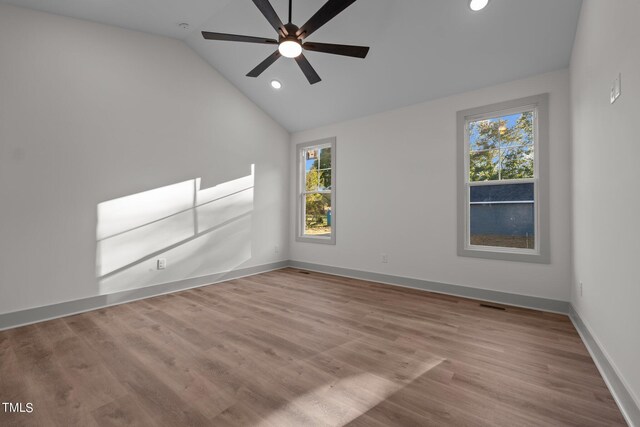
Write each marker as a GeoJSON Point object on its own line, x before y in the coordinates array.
{"type": "Point", "coordinates": [161, 263]}
{"type": "Point", "coordinates": [616, 89]}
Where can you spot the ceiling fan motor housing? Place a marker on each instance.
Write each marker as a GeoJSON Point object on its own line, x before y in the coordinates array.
{"type": "Point", "coordinates": [291, 30]}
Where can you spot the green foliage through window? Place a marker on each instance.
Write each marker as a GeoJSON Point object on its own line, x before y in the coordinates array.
{"type": "Point", "coordinates": [501, 148]}
{"type": "Point", "coordinates": [317, 198]}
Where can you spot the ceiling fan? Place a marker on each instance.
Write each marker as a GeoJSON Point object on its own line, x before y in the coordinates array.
{"type": "Point", "coordinates": [291, 38]}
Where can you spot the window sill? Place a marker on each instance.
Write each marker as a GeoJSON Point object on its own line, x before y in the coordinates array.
{"type": "Point", "coordinates": [322, 240]}
{"type": "Point", "coordinates": [505, 254]}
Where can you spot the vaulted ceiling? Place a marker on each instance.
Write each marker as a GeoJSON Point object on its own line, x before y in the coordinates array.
{"type": "Point", "coordinates": [420, 49]}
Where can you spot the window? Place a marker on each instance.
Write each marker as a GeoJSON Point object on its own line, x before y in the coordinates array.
{"type": "Point", "coordinates": [316, 186]}
{"type": "Point", "coordinates": [503, 189]}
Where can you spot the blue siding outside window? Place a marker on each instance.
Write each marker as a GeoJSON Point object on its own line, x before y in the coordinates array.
{"type": "Point", "coordinates": [502, 210]}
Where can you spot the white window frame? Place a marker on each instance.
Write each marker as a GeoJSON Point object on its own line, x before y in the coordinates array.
{"type": "Point", "coordinates": [540, 254]}
{"type": "Point", "coordinates": [301, 192]}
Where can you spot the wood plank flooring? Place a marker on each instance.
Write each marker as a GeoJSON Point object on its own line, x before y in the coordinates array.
{"type": "Point", "coordinates": [291, 349]}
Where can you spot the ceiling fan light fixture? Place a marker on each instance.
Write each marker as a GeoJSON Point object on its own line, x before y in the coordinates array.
{"type": "Point", "coordinates": [477, 5]}
{"type": "Point", "coordinates": [290, 38]}
{"type": "Point", "coordinates": [290, 49]}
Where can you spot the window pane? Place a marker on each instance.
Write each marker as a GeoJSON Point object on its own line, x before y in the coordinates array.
{"type": "Point", "coordinates": [508, 133]}
{"type": "Point", "coordinates": [524, 127]}
{"type": "Point", "coordinates": [324, 179]}
{"type": "Point", "coordinates": [317, 215]}
{"type": "Point", "coordinates": [325, 158]}
{"type": "Point", "coordinates": [311, 175]}
{"type": "Point", "coordinates": [501, 148]}
{"type": "Point", "coordinates": [484, 165]}
{"type": "Point", "coordinates": [502, 216]}
{"type": "Point", "coordinates": [517, 163]}
{"type": "Point", "coordinates": [324, 173]}
{"type": "Point", "coordinates": [498, 193]}
{"type": "Point", "coordinates": [484, 134]}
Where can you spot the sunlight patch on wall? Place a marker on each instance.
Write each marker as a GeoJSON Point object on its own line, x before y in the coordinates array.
{"type": "Point", "coordinates": [199, 232]}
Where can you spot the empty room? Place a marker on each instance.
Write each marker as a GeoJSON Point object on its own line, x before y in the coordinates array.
{"type": "Point", "coordinates": [288, 213]}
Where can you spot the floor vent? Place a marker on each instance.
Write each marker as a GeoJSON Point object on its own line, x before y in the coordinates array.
{"type": "Point", "coordinates": [304, 272]}
{"type": "Point", "coordinates": [495, 307]}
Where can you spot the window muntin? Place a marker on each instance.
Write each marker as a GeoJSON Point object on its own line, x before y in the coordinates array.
{"type": "Point", "coordinates": [501, 181]}
{"type": "Point", "coordinates": [316, 184]}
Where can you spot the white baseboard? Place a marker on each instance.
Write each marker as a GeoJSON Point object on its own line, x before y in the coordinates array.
{"type": "Point", "coordinates": [48, 312]}
{"type": "Point", "coordinates": [536, 303]}
{"type": "Point", "coordinates": [39, 314]}
{"type": "Point", "coordinates": [628, 406]}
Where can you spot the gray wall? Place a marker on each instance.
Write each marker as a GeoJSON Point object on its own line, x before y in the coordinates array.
{"type": "Point", "coordinates": [606, 197]}
{"type": "Point", "coordinates": [396, 194]}
{"type": "Point", "coordinates": [90, 114]}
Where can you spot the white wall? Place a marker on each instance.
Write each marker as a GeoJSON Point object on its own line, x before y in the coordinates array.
{"type": "Point", "coordinates": [606, 197]}
{"type": "Point", "coordinates": [396, 193]}
{"type": "Point", "coordinates": [90, 114]}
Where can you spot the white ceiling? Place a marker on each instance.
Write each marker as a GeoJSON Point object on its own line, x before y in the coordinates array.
{"type": "Point", "coordinates": [420, 49]}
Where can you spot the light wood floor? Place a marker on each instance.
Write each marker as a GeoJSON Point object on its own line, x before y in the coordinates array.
{"type": "Point", "coordinates": [291, 349]}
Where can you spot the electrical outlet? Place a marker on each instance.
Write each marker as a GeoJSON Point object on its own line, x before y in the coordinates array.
{"type": "Point", "coordinates": [580, 288]}
{"type": "Point", "coordinates": [161, 263]}
{"type": "Point", "coordinates": [276, 249]}
{"type": "Point", "coordinates": [384, 258]}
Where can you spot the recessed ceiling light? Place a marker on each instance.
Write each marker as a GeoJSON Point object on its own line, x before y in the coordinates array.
{"type": "Point", "coordinates": [477, 5]}
{"type": "Point", "coordinates": [276, 84]}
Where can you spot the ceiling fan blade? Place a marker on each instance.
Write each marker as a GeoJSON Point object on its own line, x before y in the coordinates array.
{"type": "Point", "coordinates": [307, 69]}
{"type": "Point", "coordinates": [264, 64]}
{"type": "Point", "coordinates": [236, 38]}
{"type": "Point", "coordinates": [271, 15]}
{"type": "Point", "coordinates": [337, 49]}
{"type": "Point", "coordinates": [322, 16]}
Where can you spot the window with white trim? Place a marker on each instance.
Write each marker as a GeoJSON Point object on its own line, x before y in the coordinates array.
{"type": "Point", "coordinates": [503, 191]}
{"type": "Point", "coordinates": [316, 184]}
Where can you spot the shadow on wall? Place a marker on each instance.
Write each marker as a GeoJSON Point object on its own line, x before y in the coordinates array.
{"type": "Point", "coordinates": [198, 231]}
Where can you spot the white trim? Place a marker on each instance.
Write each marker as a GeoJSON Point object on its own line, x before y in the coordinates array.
{"type": "Point", "coordinates": [68, 308]}
{"type": "Point", "coordinates": [540, 253]}
{"type": "Point", "coordinates": [513, 202]}
{"type": "Point", "coordinates": [40, 314]}
{"type": "Point", "coordinates": [497, 113]}
{"type": "Point", "coordinates": [305, 192]}
{"type": "Point", "coordinates": [489, 115]}
{"type": "Point", "coordinates": [502, 249]}
{"type": "Point", "coordinates": [628, 404]}
{"type": "Point", "coordinates": [502, 182]}
{"type": "Point", "coordinates": [301, 191]}
{"type": "Point", "coordinates": [515, 300]}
